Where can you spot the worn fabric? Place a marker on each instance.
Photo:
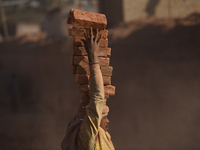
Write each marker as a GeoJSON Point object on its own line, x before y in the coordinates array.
{"type": "Point", "coordinates": [84, 131]}
{"type": "Point", "coordinates": [70, 140]}
{"type": "Point", "coordinates": [105, 111]}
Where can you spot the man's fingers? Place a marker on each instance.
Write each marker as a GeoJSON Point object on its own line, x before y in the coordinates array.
{"type": "Point", "coordinates": [99, 40]}
{"type": "Point", "coordinates": [97, 35]}
{"type": "Point", "coordinates": [86, 36]}
{"type": "Point", "coordinates": [91, 35]}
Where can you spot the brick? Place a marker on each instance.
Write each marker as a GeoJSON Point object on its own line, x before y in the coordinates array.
{"type": "Point", "coordinates": [85, 98]}
{"type": "Point", "coordinates": [107, 71]}
{"type": "Point", "coordinates": [80, 59]}
{"type": "Point", "coordinates": [103, 61]}
{"type": "Point", "coordinates": [109, 89]}
{"type": "Point", "coordinates": [72, 60]}
{"type": "Point", "coordinates": [83, 79]}
{"type": "Point", "coordinates": [86, 19]}
{"type": "Point", "coordinates": [74, 69]}
{"type": "Point", "coordinates": [107, 80]}
{"type": "Point", "coordinates": [102, 52]}
{"type": "Point", "coordinates": [70, 31]}
{"type": "Point", "coordinates": [79, 31]}
{"type": "Point", "coordinates": [78, 41]}
{"type": "Point", "coordinates": [84, 89]}
{"type": "Point", "coordinates": [84, 68]}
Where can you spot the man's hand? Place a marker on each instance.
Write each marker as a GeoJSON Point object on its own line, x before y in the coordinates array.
{"type": "Point", "coordinates": [92, 45]}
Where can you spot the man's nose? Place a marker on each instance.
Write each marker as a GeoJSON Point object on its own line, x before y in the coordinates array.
{"type": "Point", "coordinates": [107, 120]}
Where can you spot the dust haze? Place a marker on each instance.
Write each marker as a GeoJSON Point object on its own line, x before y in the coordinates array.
{"type": "Point", "coordinates": [157, 77]}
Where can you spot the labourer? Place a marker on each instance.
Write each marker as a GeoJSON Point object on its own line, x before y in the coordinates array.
{"type": "Point", "coordinates": [89, 128]}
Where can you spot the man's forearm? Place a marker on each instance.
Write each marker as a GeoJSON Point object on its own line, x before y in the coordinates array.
{"type": "Point", "coordinates": [96, 83]}
{"type": "Point", "coordinates": [96, 79]}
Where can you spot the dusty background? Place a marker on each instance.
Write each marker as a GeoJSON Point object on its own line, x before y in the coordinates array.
{"type": "Point", "coordinates": [156, 73]}
{"type": "Point", "coordinates": [129, 10]}
{"type": "Point", "coordinates": [158, 8]}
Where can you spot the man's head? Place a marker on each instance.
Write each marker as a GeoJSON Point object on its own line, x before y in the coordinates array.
{"type": "Point", "coordinates": [104, 121]}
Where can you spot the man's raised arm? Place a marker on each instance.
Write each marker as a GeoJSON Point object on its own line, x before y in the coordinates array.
{"type": "Point", "coordinates": [91, 122]}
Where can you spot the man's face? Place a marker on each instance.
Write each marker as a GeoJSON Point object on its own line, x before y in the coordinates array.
{"type": "Point", "coordinates": [104, 123]}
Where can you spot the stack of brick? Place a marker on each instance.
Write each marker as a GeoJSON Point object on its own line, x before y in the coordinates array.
{"type": "Point", "coordinates": [83, 20]}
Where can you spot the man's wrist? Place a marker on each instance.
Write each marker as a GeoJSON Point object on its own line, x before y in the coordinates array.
{"type": "Point", "coordinates": [93, 59]}
{"type": "Point", "coordinates": [93, 63]}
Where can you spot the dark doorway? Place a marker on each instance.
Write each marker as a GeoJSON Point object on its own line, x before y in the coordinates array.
{"type": "Point", "coordinates": [151, 6]}
{"type": "Point", "coordinates": [113, 11]}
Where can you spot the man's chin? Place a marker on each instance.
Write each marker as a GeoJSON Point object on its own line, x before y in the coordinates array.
{"type": "Point", "coordinates": [106, 128]}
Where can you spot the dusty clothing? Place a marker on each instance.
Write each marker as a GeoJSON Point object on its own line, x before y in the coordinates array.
{"type": "Point", "coordinates": [84, 131]}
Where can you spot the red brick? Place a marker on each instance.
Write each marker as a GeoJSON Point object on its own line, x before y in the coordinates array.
{"type": "Point", "coordinates": [84, 68]}
{"type": "Point", "coordinates": [83, 79]}
{"type": "Point", "coordinates": [109, 89]}
{"type": "Point", "coordinates": [107, 71]}
{"type": "Point", "coordinates": [102, 52]}
{"type": "Point", "coordinates": [78, 41]}
{"type": "Point", "coordinates": [72, 60]}
{"type": "Point", "coordinates": [78, 59]}
{"type": "Point", "coordinates": [70, 31]}
{"type": "Point", "coordinates": [85, 98]}
{"type": "Point", "coordinates": [84, 89]}
{"type": "Point", "coordinates": [87, 19]}
{"type": "Point", "coordinates": [107, 80]}
{"type": "Point", "coordinates": [74, 69]}
{"type": "Point", "coordinates": [79, 31]}
{"type": "Point", "coordinates": [103, 61]}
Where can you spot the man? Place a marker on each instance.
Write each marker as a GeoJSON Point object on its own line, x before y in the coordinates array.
{"type": "Point", "coordinates": [88, 130]}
